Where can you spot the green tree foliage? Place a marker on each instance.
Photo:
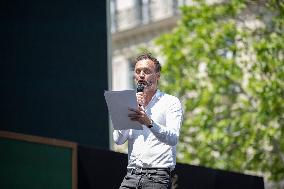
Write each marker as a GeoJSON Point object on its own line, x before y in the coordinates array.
{"type": "Point", "coordinates": [230, 78]}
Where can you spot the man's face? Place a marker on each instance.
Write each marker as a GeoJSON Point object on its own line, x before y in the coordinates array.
{"type": "Point", "coordinates": [146, 74]}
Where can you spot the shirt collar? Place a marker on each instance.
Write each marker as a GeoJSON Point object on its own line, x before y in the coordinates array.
{"type": "Point", "coordinates": [155, 97]}
{"type": "Point", "coordinates": [158, 94]}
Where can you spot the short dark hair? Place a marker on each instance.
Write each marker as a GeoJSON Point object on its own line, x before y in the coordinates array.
{"type": "Point", "coordinates": [147, 55]}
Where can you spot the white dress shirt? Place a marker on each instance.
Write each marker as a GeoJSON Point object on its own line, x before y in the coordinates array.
{"type": "Point", "coordinates": [155, 146]}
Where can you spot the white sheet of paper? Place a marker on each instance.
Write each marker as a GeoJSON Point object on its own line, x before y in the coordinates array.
{"type": "Point", "coordinates": [118, 103]}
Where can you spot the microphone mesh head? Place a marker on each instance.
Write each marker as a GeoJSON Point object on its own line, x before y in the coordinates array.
{"type": "Point", "coordinates": [140, 87]}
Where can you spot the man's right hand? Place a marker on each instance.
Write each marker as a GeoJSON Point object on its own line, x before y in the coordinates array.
{"type": "Point", "coordinates": [140, 98]}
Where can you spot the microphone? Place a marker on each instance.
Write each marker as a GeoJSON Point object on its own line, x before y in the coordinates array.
{"type": "Point", "coordinates": [140, 87]}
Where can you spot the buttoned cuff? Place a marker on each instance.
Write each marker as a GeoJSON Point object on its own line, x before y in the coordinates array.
{"type": "Point", "coordinates": [156, 128]}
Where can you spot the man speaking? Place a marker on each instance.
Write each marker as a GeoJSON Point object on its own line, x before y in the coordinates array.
{"type": "Point", "coordinates": [151, 151]}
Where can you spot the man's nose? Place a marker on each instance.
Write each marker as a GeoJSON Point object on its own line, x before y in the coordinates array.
{"type": "Point", "coordinates": [141, 74]}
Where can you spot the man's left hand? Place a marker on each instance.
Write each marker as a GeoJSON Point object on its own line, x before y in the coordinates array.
{"type": "Point", "coordinates": [139, 115]}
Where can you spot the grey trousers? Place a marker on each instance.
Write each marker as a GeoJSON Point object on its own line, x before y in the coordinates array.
{"type": "Point", "coordinates": [147, 180]}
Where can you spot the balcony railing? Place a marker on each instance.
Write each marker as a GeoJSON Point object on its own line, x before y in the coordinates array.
{"type": "Point", "coordinates": [147, 11]}
{"type": "Point", "coordinates": [144, 13]}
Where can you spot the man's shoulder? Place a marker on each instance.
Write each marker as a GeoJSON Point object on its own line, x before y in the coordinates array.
{"type": "Point", "coordinates": [169, 97]}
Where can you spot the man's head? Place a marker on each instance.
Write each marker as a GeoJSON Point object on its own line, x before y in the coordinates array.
{"type": "Point", "coordinates": [147, 71]}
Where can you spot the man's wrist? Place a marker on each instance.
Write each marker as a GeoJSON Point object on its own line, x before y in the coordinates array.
{"type": "Point", "coordinates": [150, 124]}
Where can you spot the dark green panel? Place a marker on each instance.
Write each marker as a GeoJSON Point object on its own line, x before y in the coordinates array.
{"type": "Point", "coordinates": [34, 166]}
{"type": "Point", "coordinates": [53, 69]}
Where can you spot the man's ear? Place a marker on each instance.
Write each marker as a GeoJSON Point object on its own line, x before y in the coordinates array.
{"type": "Point", "coordinates": [158, 75]}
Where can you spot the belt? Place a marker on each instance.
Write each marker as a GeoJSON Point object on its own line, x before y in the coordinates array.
{"type": "Point", "coordinates": [146, 170]}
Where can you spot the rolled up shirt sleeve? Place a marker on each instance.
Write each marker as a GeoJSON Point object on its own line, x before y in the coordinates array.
{"type": "Point", "coordinates": [169, 133]}
{"type": "Point", "coordinates": [120, 136]}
